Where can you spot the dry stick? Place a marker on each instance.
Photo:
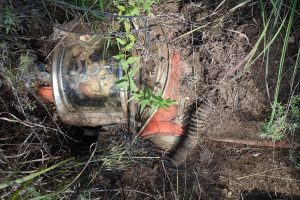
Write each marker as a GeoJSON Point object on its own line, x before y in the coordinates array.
{"type": "Point", "coordinates": [282, 178]}
{"type": "Point", "coordinates": [264, 143]}
{"type": "Point", "coordinates": [25, 123]}
{"type": "Point", "coordinates": [237, 67]}
{"type": "Point", "coordinates": [113, 190]}
{"type": "Point", "coordinates": [166, 174]}
{"type": "Point", "coordinates": [250, 175]}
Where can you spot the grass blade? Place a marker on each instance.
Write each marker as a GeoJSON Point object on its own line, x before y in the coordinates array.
{"type": "Point", "coordinates": [34, 175]}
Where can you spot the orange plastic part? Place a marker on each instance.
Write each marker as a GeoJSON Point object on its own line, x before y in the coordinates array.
{"type": "Point", "coordinates": [46, 93]}
{"type": "Point", "coordinates": [162, 122]}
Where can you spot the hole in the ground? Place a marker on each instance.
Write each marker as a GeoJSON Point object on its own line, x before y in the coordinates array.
{"type": "Point", "coordinates": [79, 143]}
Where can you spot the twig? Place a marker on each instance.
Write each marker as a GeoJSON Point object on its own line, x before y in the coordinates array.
{"type": "Point", "coordinates": [25, 123]}
{"type": "Point", "coordinates": [174, 193]}
{"type": "Point", "coordinates": [264, 143]}
{"type": "Point", "coordinates": [256, 174]}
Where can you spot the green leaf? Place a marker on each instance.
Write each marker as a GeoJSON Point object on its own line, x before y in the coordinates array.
{"type": "Point", "coordinates": [131, 37]}
{"type": "Point", "coordinates": [124, 65]}
{"type": "Point", "coordinates": [121, 41]}
{"type": "Point", "coordinates": [121, 8]}
{"type": "Point", "coordinates": [143, 105]}
{"type": "Point", "coordinates": [133, 71]}
{"type": "Point", "coordinates": [129, 46]}
{"type": "Point", "coordinates": [119, 56]}
{"type": "Point", "coordinates": [122, 83]}
{"type": "Point", "coordinates": [127, 25]}
{"type": "Point", "coordinates": [131, 2]}
{"type": "Point", "coordinates": [132, 59]}
{"type": "Point", "coordinates": [133, 87]}
{"type": "Point", "coordinates": [133, 11]}
{"type": "Point", "coordinates": [147, 6]}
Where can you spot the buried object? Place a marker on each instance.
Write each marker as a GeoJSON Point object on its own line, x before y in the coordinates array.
{"type": "Point", "coordinates": [84, 92]}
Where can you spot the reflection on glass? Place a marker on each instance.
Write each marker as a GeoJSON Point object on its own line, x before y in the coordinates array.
{"type": "Point", "coordinates": [89, 73]}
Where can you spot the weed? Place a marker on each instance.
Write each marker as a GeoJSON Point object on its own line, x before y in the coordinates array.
{"type": "Point", "coordinates": [294, 159]}
{"type": "Point", "coordinates": [134, 7]}
{"type": "Point", "coordinates": [286, 121]}
{"type": "Point", "coordinates": [284, 118]}
{"type": "Point", "coordinates": [26, 61]}
{"type": "Point", "coordinates": [33, 175]}
{"type": "Point", "coordinates": [8, 20]}
{"type": "Point", "coordinates": [145, 97]}
{"type": "Point", "coordinates": [3, 53]}
{"type": "Point", "coordinates": [95, 5]}
{"type": "Point", "coordinates": [277, 129]}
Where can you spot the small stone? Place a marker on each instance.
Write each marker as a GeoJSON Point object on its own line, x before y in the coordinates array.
{"type": "Point", "coordinates": [55, 116]}
{"type": "Point", "coordinates": [227, 193]}
{"type": "Point", "coordinates": [84, 38]}
{"type": "Point", "coordinates": [291, 40]}
{"type": "Point", "coordinates": [257, 154]}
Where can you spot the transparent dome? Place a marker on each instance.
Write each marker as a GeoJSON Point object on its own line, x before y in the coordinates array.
{"type": "Point", "coordinates": [88, 72]}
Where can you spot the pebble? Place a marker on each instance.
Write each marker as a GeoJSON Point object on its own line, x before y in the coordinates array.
{"type": "Point", "coordinates": [291, 40]}
{"type": "Point", "coordinates": [227, 193]}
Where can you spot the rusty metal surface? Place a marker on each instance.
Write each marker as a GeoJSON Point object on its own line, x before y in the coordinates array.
{"type": "Point", "coordinates": [156, 70]}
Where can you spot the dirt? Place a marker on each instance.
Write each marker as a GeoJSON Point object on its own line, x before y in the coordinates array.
{"type": "Point", "coordinates": [238, 108]}
{"type": "Point", "coordinates": [239, 104]}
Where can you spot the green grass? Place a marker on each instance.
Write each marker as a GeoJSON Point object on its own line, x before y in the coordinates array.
{"type": "Point", "coordinates": [277, 22]}
{"type": "Point", "coordinates": [54, 177]}
{"type": "Point", "coordinates": [285, 122]}
{"type": "Point", "coordinates": [98, 5]}
{"type": "Point", "coordinates": [294, 158]}
{"type": "Point", "coordinates": [33, 175]}
{"type": "Point", "coordinates": [8, 20]}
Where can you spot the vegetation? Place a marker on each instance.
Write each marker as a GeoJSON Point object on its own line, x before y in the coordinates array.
{"type": "Point", "coordinates": [145, 97]}
{"type": "Point", "coordinates": [279, 21]}
{"type": "Point", "coordinates": [115, 158]}
{"type": "Point", "coordinates": [8, 20]}
{"type": "Point", "coordinates": [35, 161]}
{"type": "Point", "coordinates": [286, 121]}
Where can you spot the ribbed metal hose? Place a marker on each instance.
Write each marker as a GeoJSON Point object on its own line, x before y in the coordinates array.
{"type": "Point", "coordinates": [193, 133]}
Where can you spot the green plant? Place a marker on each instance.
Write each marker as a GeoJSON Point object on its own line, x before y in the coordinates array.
{"type": "Point", "coordinates": [8, 20]}
{"type": "Point", "coordinates": [279, 21]}
{"type": "Point", "coordinates": [294, 159]}
{"type": "Point", "coordinates": [93, 4]}
{"type": "Point", "coordinates": [33, 175]}
{"type": "Point", "coordinates": [145, 97]}
{"type": "Point", "coordinates": [91, 7]}
{"type": "Point", "coordinates": [286, 120]}
{"type": "Point", "coordinates": [134, 7]}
